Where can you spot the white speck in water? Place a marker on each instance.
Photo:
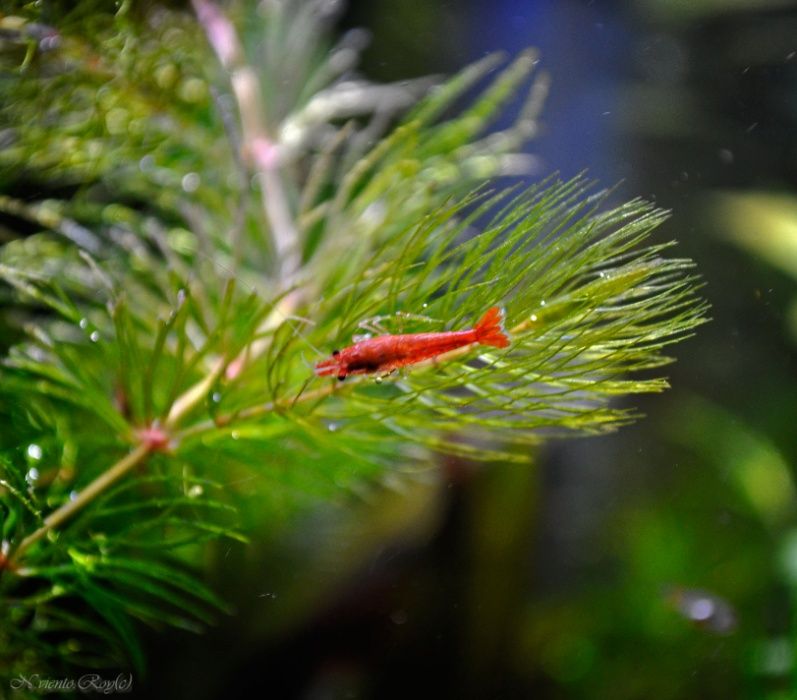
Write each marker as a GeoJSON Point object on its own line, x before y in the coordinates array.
{"type": "Point", "coordinates": [195, 491]}
{"type": "Point", "coordinates": [32, 475]}
{"type": "Point", "coordinates": [533, 317]}
{"type": "Point", "coordinates": [725, 156]}
{"type": "Point", "coordinates": [398, 617]}
{"type": "Point", "coordinates": [542, 303]}
{"type": "Point", "coordinates": [378, 379]}
{"type": "Point", "coordinates": [84, 323]}
{"type": "Point", "coordinates": [73, 495]}
{"type": "Point", "coordinates": [147, 163]}
{"type": "Point", "coordinates": [215, 397]}
{"type": "Point", "coordinates": [190, 182]}
{"type": "Point", "coordinates": [94, 337]}
{"type": "Point", "coordinates": [34, 451]}
{"type": "Point", "coordinates": [374, 213]}
{"type": "Point", "coordinates": [701, 609]}
{"type": "Point", "coordinates": [791, 55]}
{"type": "Point", "coordinates": [332, 427]}
{"type": "Point", "coordinates": [425, 305]}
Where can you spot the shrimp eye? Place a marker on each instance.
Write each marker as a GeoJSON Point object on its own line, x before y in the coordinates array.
{"type": "Point", "coordinates": [335, 353]}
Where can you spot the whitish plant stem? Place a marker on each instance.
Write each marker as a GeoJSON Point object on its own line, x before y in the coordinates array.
{"type": "Point", "coordinates": [193, 396]}
{"type": "Point", "coordinates": [257, 146]}
{"type": "Point", "coordinates": [88, 494]}
{"type": "Point", "coordinates": [258, 149]}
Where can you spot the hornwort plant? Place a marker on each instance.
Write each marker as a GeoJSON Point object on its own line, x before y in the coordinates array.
{"type": "Point", "coordinates": [195, 209]}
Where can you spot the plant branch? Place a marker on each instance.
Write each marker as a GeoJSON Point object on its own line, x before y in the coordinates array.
{"type": "Point", "coordinates": [258, 148]}
{"type": "Point", "coordinates": [88, 494]}
{"type": "Point", "coordinates": [182, 406]}
{"type": "Point", "coordinates": [254, 412]}
{"type": "Point", "coordinates": [320, 393]}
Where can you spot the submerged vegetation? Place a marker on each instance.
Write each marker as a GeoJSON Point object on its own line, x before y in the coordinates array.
{"type": "Point", "coordinates": [197, 207]}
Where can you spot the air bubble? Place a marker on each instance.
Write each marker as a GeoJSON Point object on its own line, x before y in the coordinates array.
{"type": "Point", "coordinates": [94, 337]}
{"type": "Point", "coordinates": [235, 435]}
{"type": "Point", "coordinates": [32, 475]}
{"type": "Point", "coordinates": [332, 427]}
{"type": "Point", "coordinates": [534, 317]}
{"type": "Point", "coordinates": [378, 379]}
{"type": "Point", "coordinates": [84, 323]}
{"type": "Point", "coordinates": [195, 491]}
{"type": "Point", "coordinates": [398, 617]}
{"type": "Point", "coordinates": [34, 451]}
{"type": "Point", "coordinates": [190, 182]}
{"type": "Point", "coordinates": [146, 164]}
{"type": "Point", "coordinates": [215, 397]}
{"type": "Point", "coordinates": [701, 609]}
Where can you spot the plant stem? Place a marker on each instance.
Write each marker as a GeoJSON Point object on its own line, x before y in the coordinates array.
{"type": "Point", "coordinates": [321, 392]}
{"type": "Point", "coordinates": [257, 146]}
{"type": "Point", "coordinates": [181, 406]}
{"type": "Point", "coordinates": [254, 412]}
{"type": "Point", "coordinates": [88, 494]}
{"type": "Point", "coordinates": [190, 398]}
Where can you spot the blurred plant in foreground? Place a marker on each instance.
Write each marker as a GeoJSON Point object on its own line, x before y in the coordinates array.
{"type": "Point", "coordinates": [181, 233]}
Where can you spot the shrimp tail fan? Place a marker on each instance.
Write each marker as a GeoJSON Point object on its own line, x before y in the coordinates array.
{"type": "Point", "coordinates": [490, 329]}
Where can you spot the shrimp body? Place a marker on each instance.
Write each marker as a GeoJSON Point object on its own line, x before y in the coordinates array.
{"type": "Point", "coordinates": [386, 353]}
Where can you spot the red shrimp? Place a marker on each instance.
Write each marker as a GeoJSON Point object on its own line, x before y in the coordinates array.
{"type": "Point", "coordinates": [386, 353]}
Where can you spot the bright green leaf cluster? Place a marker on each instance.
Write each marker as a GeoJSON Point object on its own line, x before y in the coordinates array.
{"type": "Point", "coordinates": [158, 358]}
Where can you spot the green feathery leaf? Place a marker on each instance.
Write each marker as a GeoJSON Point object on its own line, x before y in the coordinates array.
{"type": "Point", "coordinates": [179, 251]}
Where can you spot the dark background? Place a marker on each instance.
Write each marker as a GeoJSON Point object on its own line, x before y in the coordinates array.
{"type": "Point", "coordinates": [584, 576]}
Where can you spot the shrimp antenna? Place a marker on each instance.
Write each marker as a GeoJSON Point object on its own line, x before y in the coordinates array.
{"type": "Point", "coordinates": [308, 364]}
{"type": "Point", "coordinates": [297, 331]}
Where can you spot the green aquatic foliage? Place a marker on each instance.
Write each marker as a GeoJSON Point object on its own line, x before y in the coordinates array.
{"type": "Point", "coordinates": [183, 239]}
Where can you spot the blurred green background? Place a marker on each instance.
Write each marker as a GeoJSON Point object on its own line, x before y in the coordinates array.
{"type": "Point", "coordinates": [659, 562]}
